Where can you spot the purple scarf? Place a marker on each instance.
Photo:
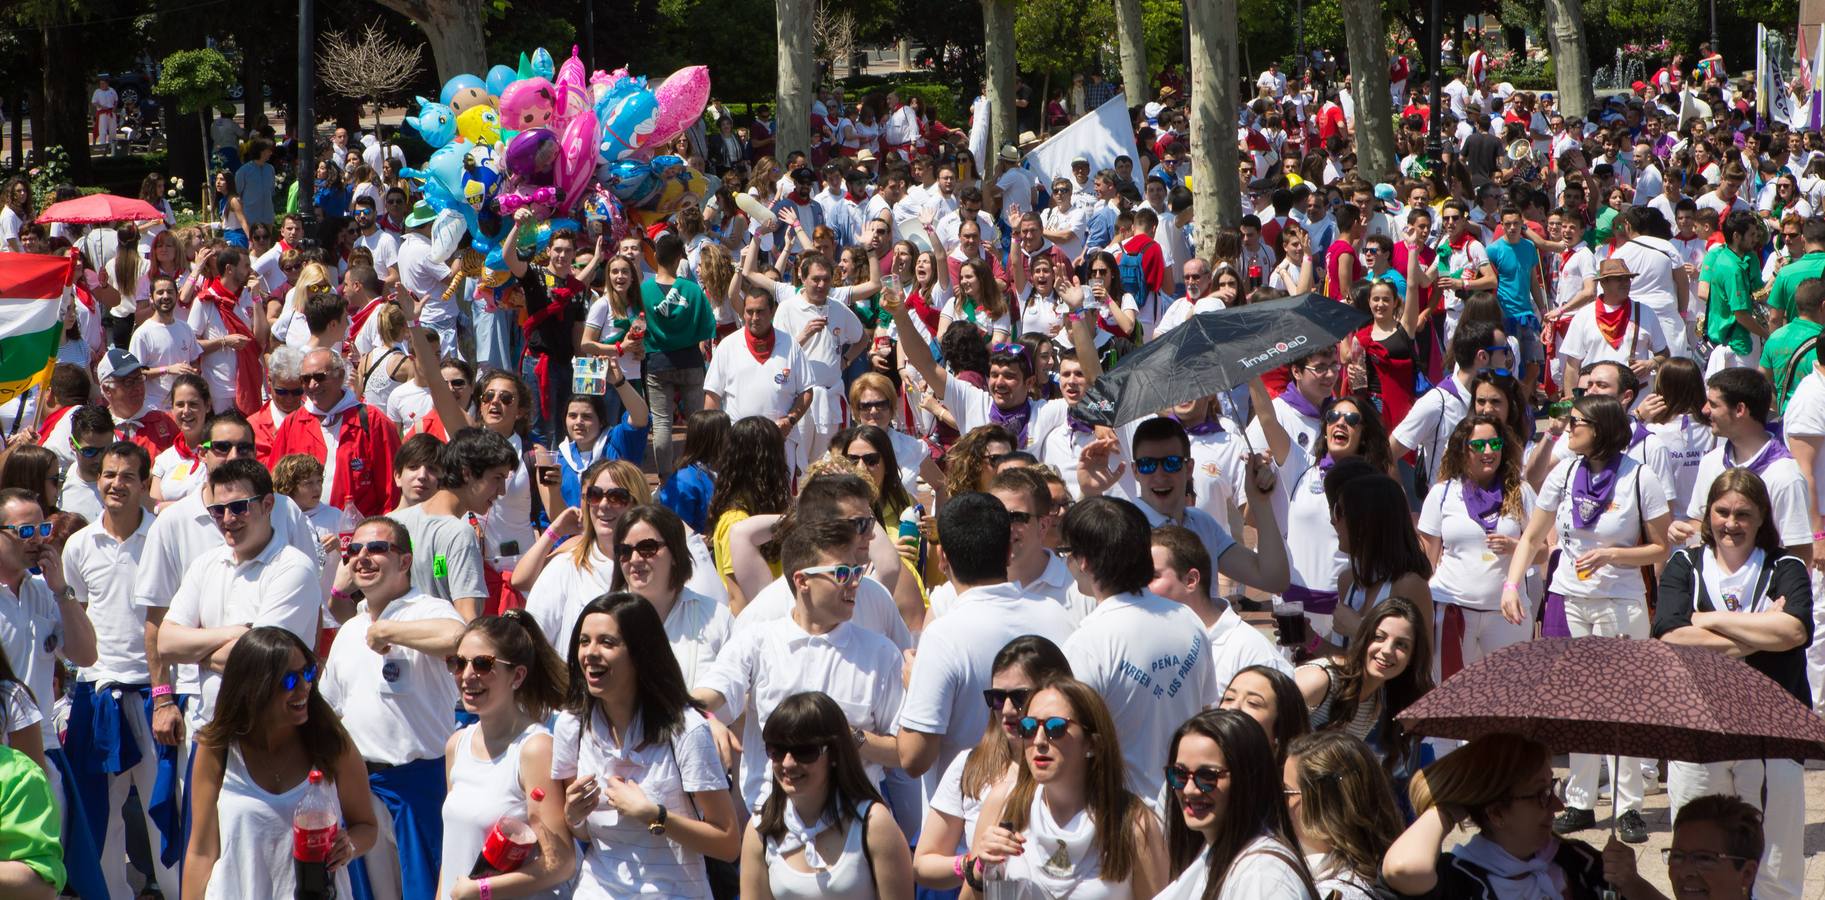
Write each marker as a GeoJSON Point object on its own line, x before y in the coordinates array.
{"type": "Point", "coordinates": [1015, 422]}
{"type": "Point", "coordinates": [1641, 433]}
{"type": "Point", "coordinates": [1592, 493]}
{"type": "Point", "coordinates": [1210, 425]}
{"type": "Point", "coordinates": [1080, 427]}
{"type": "Point", "coordinates": [1297, 401]}
{"type": "Point", "coordinates": [1771, 451]}
{"type": "Point", "coordinates": [1483, 504]}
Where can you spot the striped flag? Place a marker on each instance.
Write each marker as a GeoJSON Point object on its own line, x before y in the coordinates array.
{"type": "Point", "coordinates": [32, 290]}
{"type": "Point", "coordinates": [1816, 118]}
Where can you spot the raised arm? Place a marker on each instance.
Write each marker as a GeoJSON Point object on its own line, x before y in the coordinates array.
{"type": "Point", "coordinates": [915, 350]}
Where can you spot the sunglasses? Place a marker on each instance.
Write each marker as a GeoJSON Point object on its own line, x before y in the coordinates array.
{"type": "Point", "coordinates": [803, 754]}
{"type": "Point", "coordinates": [1484, 445]}
{"type": "Point", "coordinates": [314, 377]}
{"type": "Point", "coordinates": [864, 459]}
{"type": "Point", "coordinates": [1351, 419]}
{"type": "Point", "coordinates": [291, 680]}
{"type": "Point", "coordinates": [27, 532]}
{"type": "Point", "coordinates": [501, 397]}
{"type": "Point", "coordinates": [287, 392]}
{"type": "Point", "coordinates": [219, 511]}
{"type": "Point", "coordinates": [1206, 777]}
{"type": "Point", "coordinates": [224, 448]}
{"type": "Point", "coordinates": [997, 698]}
{"type": "Point", "coordinates": [87, 452]}
{"type": "Point", "coordinates": [647, 549]}
{"type": "Point", "coordinates": [862, 524]}
{"type": "Point", "coordinates": [869, 406]}
{"type": "Point", "coordinates": [1146, 464]}
{"type": "Point", "coordinates": [482, 663]}
{"type": "Point", "coordinates": [1056, 727]}
{"type": "Point", "coordinates": [374, 547]}
{"type": "Point", "coordinates": [1016, 517]}
{"type": "Point", "coordinates": [844, 576]}
{"type": "Point", "coordinates": [457, 384]}
{"type": "Point", "coordinates": [615, 495]}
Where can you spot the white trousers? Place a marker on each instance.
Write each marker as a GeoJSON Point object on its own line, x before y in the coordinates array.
{"type": "Point", "coordinates": [1605, 618]}
{"type": "Point", "coordinates": [1815, 654]}
{"type": "Point", "coordinates": [1485, 632]}
{"type": "Point", "coordinates": [1783, 816]}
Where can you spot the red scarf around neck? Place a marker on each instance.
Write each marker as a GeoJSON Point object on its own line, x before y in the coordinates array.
{"type": "Point", "coordinates": [1613, 323]}
{"type": "Point", "coordinates": [185, 452]}
{"type": "Point", "coordinates": [762, 348]}
{"type": "Point", "coordinates": [247, 395]}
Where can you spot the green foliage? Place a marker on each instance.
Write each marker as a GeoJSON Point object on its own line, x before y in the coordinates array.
{"type": "Point", "coordinates": [195, 79]}
{"type": "Point", "coordinates": [1163, 30]}
{"type": "Point", "coordinates": [735, 38]}
{"type": "Point", "coordinates": [941, 98]}
{"type": "Point", "coordinates": [1049, 36]}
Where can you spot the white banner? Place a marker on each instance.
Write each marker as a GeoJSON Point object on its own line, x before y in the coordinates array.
{"type": "Point", "coordinates": [1100, 136]}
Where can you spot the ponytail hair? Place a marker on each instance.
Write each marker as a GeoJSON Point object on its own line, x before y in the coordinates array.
{"type": "Point", "coordinates": [516, 637]}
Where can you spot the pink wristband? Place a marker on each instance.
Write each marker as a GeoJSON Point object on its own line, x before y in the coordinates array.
{"type": "Point", "coordinates": [484, 890]}
{"type": "Point", "coordinates": [957, 864]}
{"type": "Point", "coordinates": [161, 690]}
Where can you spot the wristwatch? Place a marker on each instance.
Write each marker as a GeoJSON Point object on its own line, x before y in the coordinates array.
{"type": "Point", "coordinates": [657, 825]}
{"type": "Point", "coordinates": [861, 737]}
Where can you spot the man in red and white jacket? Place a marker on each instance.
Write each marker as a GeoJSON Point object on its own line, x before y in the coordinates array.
{"type": "Point", "coordinates": [354, 441]}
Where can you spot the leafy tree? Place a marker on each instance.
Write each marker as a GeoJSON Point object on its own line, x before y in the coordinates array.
{"type": "Point", "coordinates": [196, 81]}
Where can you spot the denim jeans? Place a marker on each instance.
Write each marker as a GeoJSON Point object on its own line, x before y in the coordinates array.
{"type": "Point", "coordinates": [659, 389]}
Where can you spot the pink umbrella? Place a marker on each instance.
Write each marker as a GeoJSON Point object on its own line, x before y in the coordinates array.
{"type": "Point", "coordinates": [97, 209]}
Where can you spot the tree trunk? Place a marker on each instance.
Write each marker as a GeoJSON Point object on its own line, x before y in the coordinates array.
{"type": "Point", "coordinates": [1365, 32]}
{"type": "Point", "coordinates": [1132, 39]}
{"type": "Point", "coordinates": [67, 113]}
{"type": "Point", "coordinates": [1571, 65]}
{"type": "Point", "coordinates": [998, 65]}
{"type": "Point", "coordinates": [905, 48]}
{"type": "Point", "coordinates": [797, 71]}
{"type": "Point", "coordinates": [253, 102]}
{"type": "Point", "coordinates": [1217, 192]}
{"type": "Point", "coordinates": [454, 30]}
{"type": "Point", "coordinates": [15, 110]}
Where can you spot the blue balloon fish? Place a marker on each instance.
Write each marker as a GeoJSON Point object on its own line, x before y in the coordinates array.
{"type": "Point", "coordinates": [627, 123]}
{"type": "Point", "coordinates": [542, 64]}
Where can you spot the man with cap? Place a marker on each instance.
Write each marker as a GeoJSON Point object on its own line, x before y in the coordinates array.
{"type": "Point", "coordinates": [1083, 190]}
{"type": "Point", "coordinates": [1613, 329]}
{"type": "Point", "coordinates": [1016, 187]}
{"type": "Point", "coordinates": [123, 387]}
{"type": "Point", "coordinates": [424, 276]}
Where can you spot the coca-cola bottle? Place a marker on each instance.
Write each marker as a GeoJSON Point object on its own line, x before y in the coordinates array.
{"type": "Point", "coordinates": [313, 831]}
{"type": "Point", "coordinates": [509, 844]}
{"type": "Point", "coordinates": [345, 529]}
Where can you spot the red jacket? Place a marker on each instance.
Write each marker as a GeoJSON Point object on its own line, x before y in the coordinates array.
{"type": "Point", "coordinates": [365, 446]}
{"type": "Point", "coordinates": [155, 430]}
{"type": "Point", "coordinates": [263, 431]}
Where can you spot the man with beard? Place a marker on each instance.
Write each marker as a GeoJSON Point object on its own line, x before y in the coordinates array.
{"type": "Point", "coordinates": [164, 344]}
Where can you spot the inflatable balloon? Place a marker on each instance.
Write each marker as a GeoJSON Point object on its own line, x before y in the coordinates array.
{"type": "Point", "coordinates": [676, 191]}
{"type": "Point", "coordinates": [446, 233]}
{"type": "Point", "coordinates": [628, 126]}
{"type": "Point", "coordinates": [479, 125]}
{"type": "Point", "coordinates": [637, 182]}
{"type": "Point", "coordinates": [576, 159]}
{"type": "Point", "coordinates": [435, 122]}
{"type": "Point", "coordinates": [511, 203]}
{"type": "Point", "coordinates": [462, 92]}
{"type": "Point", "coordinates": [532, 157]}
{"type": "Point", "coordinates": [442, 176]}
{"type": "Point", "coordinates": [528, 104]}
{"type": "Point", "coordinates": [542, 64]}
{"type": "Point", "coordinates": [681, 98]}
{"type": "Point", "coordinates": [603, 211]}
{"type": "Point", "coordinates": [572, 92]}
{"type": "Point", "coordinates": [498, 79]}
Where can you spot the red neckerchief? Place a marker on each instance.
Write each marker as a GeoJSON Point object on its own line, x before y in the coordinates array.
{"type": "Point", "coordinates": [182, 446]}
{"type": "Point", "coordinates": [248, 367]}
{"type": "Point", "coordinates": [1461, 241]}
{"type": "Point", "coordinates": [1614, 324]}
{"type": "Point", "coordinates": [762, 348]}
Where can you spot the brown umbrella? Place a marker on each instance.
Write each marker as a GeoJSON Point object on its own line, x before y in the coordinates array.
{"type": "Point", "coordinates": [1624, 697]}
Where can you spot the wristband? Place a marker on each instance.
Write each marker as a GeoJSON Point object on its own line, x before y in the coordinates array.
{"type": "Point", "coordinates": [162, 690]}
{"type": "Point", "coordinates": [551, 534]}
{"type": "Point", "coordinates": [1818, 535]}
{"type": "Point", "coordinates": [484, 890]}
{"type": "Point", "coordinates": [617, 385]}
{"type": "Point", "coordinates": [957, 864]}
{"type": "Point", "coordinates": [340, 594]}
{"type": "Point", "coordinates": [1511, 586]}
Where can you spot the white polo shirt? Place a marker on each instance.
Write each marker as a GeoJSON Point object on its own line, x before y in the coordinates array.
{"type": "Point", "coordinates": [31, 632]}
{"type": "Point", "coordinates": [1786, 492]}
{"type": "Point", "coordinates": [752, 388]}
{"type": "Point", "coordinates": [972, 405]}
{"type": "Point", "coordinates": [102, 571]}
{"type": "Point", "coordinates": [1055, 583]}
{"type": "Point", "coordinates": [823, 354]}
{"type": "Point", "coordinates": [875, 610]}
{"type": "Point", "coordinates": [396, 706]}
{"type": "Point", "coordinates": [384, 246]}
{"type": "Point", "coordinates": [1235, 645]}
{"type": "Point", "coordinates": [184, 532]}
{"type": "Point", "coordinates": [1428, 425]}
{"type": "Point", "coordinates": [763, 665]}
{"type": "Point", "coordinates": [277, 587]}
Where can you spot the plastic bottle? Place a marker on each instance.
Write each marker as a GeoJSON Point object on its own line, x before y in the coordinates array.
{"type": "Point", "coordinates": [345, 529]}
{"type": "Point", "coordinates": [510, 843]}
{"type": "Point", "coordinates": [313, 831]}
{"type": "Point", "coordinates": [909, 521]}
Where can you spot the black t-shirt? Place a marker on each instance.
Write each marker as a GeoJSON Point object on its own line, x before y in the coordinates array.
{"type": "Point", "coordinates": [1481, 150]}
{"type": "Point", "coordinates": [1682, 591]}
{"type": "Point", "coordinates": [551, 333]}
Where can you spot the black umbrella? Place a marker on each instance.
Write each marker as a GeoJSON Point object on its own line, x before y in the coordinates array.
{"type": "Point", "coordinates": [1213, 352]}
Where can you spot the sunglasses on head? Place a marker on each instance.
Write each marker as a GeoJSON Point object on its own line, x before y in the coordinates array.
{"type": "Point", "coordinates": [225, 448]}
{"type": "Point", "coordinates": [375, 548]}
{"type": "Point", "coordinates": [1056, 727]}
{"type": "Point", "coordinates": [482, 663]}
{"type": "Point", "coordinates": [803, 754]}
{"type": "Point", "coordinates": [291, 680]}
{"type": "Point", "coordinates": [1147, 464]}
{"type": "Point", "coordinates": [844, 576]}
{"type": "Point", "coordinates": [27, 532]}
{"type": "Point", "coordinates": [1483, 445]}
{"type": "Point", "coordinates": [997, 698]}
{"type": "Point", "coordinates": [220, 511]}
{"type": "Point", "coordinates": [864, 459]}
{"type": "Point", "coordinates": [647, 549]}
{"type": "Point", "coordinates": [617, 496]}
{"type": "Point", "coordinates": [1351, 419]}
{"type": "Point", "coordinates": [1206, 777]}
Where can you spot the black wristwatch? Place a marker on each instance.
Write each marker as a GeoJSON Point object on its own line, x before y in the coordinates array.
{"type": "Point", "coordinates": [657, 825]}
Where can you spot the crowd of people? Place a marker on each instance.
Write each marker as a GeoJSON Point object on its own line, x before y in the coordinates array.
{"type": "Point", "coordinates": [763, 556]}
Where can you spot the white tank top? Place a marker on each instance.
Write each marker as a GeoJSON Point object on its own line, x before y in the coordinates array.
{"type": "Point", "coordinates": [254, 828]}
{"type": "Point", "coordinates": [481, 791]}
{"type": "Point", "coordinates": [379, 384]}
{"type": "Point", "coordinates": [1062, 860]}
{"type": "Point", "coordinates": [849, 878]}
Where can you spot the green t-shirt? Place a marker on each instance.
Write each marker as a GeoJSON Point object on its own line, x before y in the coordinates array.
{"type": "Point", "coordinates": [30, 829]}
{"type": "Point", "coordinates": [1788, 280]}
{"type": "Point", "coordinates": [1733, 280]}
{"type": "Point", "coordinates": [678, 316]}
{"type": "Point", "coordinates": [1778, 351]}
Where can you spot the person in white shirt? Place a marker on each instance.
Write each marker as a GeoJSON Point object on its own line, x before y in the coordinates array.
{"type": "Point", "coordinates": [815, 648]}
{"type": "Point", "coordinates": [1148, 656]}
{"type": "Point", "coordinates": [105, 101]}
{"type": "Point", "coordinates": [1007, 402]}
{"type": "Point", "coordinates": [1035, 570]}
{"type": "Point", "coordinates": [817, 318]}
{"type": "Point", "coordinates": [1474, 347]}
{"type": "Point", "coordinates": [942, 715]}
{"type": "Point", "coordinates": [756, 373]}
{"type": "Point", "coordinates": [425, 276]}
{"type": "Point", "coordinates": [1018, 187]}
{"type": "Point", "coordinates": [377, 240]}
{"type": "Point", "coordinates": [101, 562]}
{"type": "Point", "coordinates": [1803, 426]}
{"type": "Point", "coordinates": [1613, 329]}
{"type": "Point", "coordinates": [385, 677]}
{"type": "Point", "coordinates": [1182, 572]}
{"type": "Point", "coordinates": [225, 319]}
{"type": "Point", "coordinates": [1273, 80]}
{"type": "Point", "coordinates": [167, 346]}
{"type": "Point", "coordinates": [1737, 403]}
{"type": "Point", "coordinates": [1062, 223]}
{"type": "Point", "coordinates": [1314, 377]}
{"type": "Point", "coordinates": [91, 431]}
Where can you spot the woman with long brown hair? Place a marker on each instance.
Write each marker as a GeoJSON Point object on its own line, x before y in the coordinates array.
{"type": "Point", "coordinates": [1343, 813]}
{"type": "Point", "coordinates": [1227, 830]}
{"type": "Point", "coordinates": [1386, 669]}
{"type": "Point", "coordinates": [563, 569]}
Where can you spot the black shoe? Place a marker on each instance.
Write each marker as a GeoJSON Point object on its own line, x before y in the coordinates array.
{"type": "Point", "coordinates": [1573, 819]}
{"type": "Point", "coordinates": [1630, 828]}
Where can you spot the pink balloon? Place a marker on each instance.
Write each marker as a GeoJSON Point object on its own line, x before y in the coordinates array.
{"type": "Point", "coordinates": [681, 101]}
{"type": "Point", "coordinates": [573, 91]}
{"type": "Point", "coordinates": [576, 158]}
